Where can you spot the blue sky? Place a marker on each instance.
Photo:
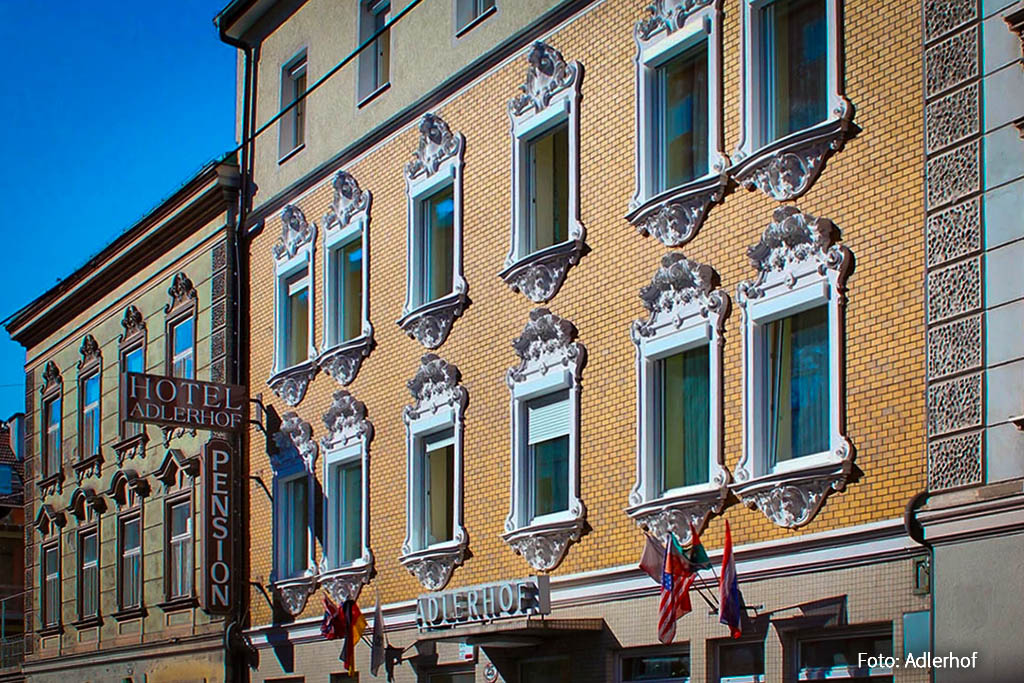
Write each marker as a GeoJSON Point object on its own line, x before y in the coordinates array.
{"type": "Point", "coordinates": [105, 109]}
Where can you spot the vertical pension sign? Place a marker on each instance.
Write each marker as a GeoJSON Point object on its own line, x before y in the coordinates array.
{"type": "Point", "coordinates": [217, 521]}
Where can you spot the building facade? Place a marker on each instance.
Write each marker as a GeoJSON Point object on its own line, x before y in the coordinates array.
{"type": "Point", "coordinates": [114, 557]}
{"type": "Point", "coordinates": [464, 387]}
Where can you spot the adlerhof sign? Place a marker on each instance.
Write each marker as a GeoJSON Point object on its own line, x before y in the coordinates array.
{"type": "Point", "coordinates": [178, 402]}
{"type": "Point", "coordinates": [486, 602]}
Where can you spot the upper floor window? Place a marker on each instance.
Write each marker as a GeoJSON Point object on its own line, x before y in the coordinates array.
{"type": "Point", "coordinates": [179, 550]}
{"type": "Point", "coordinates": [374, 60]}
{"type": "Point", "coordinates": [793, 350]}
{"type": "Point", "coordinates": [89, 415]}
{"type": "Point", "coordinates": [51, 437]}
{"type": "Point", "coordinates": [293, 306]}
{"type": "Point", "coordinates": [435, 286]}
{"type": "Point", "coordinates": [50, 593]}
{"type": "Point", "coordinates": [88, 572]}
{"type": "Point", "coordinates": [132, 350]}
{"type": "Point", "coordinates": [183, 346]}
{"type": "Point", "coordinates": [293, 496]}
{"type": "Point", "coordinates": [296, 318]}
{"type": "Point", "coordinates": [132, 360]}
{"type": "Point", "coordinates": [129, 543]}
{"type": "Point", "coordinates": [435, 536]}
{"type": "Point", "coordinates": [547, 235]}
{"type": "Point", "coordinates": [181, 328]}
{"type": "Point", "coordinates": [680, 474]}
{"type": "Point", "coordinates": [292, 128]}
{"type": "Point", "coordinates": [469, 12]}
{"type": "Point", "coordinates": [680, 161]}
{"type": "Point", "coordinates": [545, 493]}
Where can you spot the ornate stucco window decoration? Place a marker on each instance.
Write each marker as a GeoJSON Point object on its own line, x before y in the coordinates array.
{"type": "Point", "coordinates": [545, 411]}
{"type": "Point", "coordinates": [436, 289]}
{"type": "Point", "coordinates": [793, 312]}
{"type": "Point", "coordinates": [51, 459]}
{"type": "Point", "coordinates": [293, 576]}
{"type": "Point", "coordinates": [547, 234]}
{"type": "Point", "coordinates": [435, 538]}
{"type": "Point", "coordinates": [175, 466]}
{"type": "Point", "coordinates": [85, 502]}
{"type": "Point", "coordinates": [89, 462]}
{"type": "Point", "coordinates": [127, 488]}
{"type": "Point", "coordinates": [347, 563]}
{"type": "Point", "coordinates": [348, 333]}
{"type": "Point", "coordinates": [49, 522]}
{"type": "Point", "coordinates": [131, 351]}
{"type": "Point", "coordinates": [681, 41]}
{"type": "Point", "coordinates": [779, 154]}
{"type": "Point", "coordinates": [679, 481]}
{"type": "Point", "coordinates": [294, 349]}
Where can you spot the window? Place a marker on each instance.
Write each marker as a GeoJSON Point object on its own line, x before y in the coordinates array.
{"type": "Point", "coordinates": [468, 12]}
{"type": "Point", "coordinates": [292, 130]}
{"type": "Point", "coordinates": [296, 318]}
{"type": "Point", "coordinates": [88, 573]}
{"type": "Point", "coordinates": [50, 592]}
{"type": "Point", "coordinates": [680, 158]}
{"type": "Point", "coordinates": [679, 407]}
{"type": "Point", "coordinates": [793, 350]}
{"type": "Point", "coordinates": [183, 349]}
{"type": "Point", "coordinates": [657, 668]}
{"type": "Point", "coordinates": [347, 483]}
{"type": "Point", "coordinates": [435, 286]}
{"type": "Point", "coordinates": [6, 480]}
{"type": "Point", "coordinates": [132, 360]}
{"type": "Point", "coordinates": [295, 525]}
{"type": "Point", "coordinates": [545, 506]}
{"type": "Point", "coordinates": [741, 662]}
{"type": "Point", "coordinates": [179, 548]}
{"type": "Point", "coordinates": [547, 235]}
{"type": "Point", "coordinates": [348, 316]}
{"type": "Point", "coordinates": [130, 565]}
{"type": "Point", "coordinates": [375, 58]}
{"type": "Point", "coordinates": [293, 575]}
{"type": "Point", "coordinates": [823, 655]}
{"type": "Point", "coordinates": [51, 439]}
{"type": "Point", "coordinates": [435, 540]}
{"type": "Point", "coordinates": [89, 415]}
{"type": "Point", "coordinates": [794, 66]}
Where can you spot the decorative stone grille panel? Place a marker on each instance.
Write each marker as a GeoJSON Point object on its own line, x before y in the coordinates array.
{"type": "Point", "coordinates": [955, 347]}
{"type": "Point", "coordinates": [954, 232]}
{"type": "Point", "coordinates": [942, 16]}
{"type": "Point", "coordinates": [954, 405]}
{"type": "Point", "coordinates": [952, 118]}
{"type": "Point", "coordinates": [955, 462]}
{"type": "Point", "coordinates": [954, 290]}
{"type": "Point", "coordinates": [953, 175]}
{"type": "Point", "coordinates": [951, 62]}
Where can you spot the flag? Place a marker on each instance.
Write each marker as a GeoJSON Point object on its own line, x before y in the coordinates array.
{"type": "Point", "coordinates": [652, 561]}
{"type": "Point", "coordinates": [331, 627]}
{"type": "Point", "coordinates": [354, 623]}
{"type": "Point", "coordinates": [697, 556]}
{"type": "Point", "coordinates": [675, 591]}
{"type": "Point", "coordinates": [730, 600]}
{"type": "Point", "coordinates": [377, 639]}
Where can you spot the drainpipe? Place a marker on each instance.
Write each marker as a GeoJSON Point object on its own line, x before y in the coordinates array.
{"type": "Point", "coordinates": [916, 533]}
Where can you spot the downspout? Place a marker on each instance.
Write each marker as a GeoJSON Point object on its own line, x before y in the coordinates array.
{"type": "Point", "coordinates": [916, 533]}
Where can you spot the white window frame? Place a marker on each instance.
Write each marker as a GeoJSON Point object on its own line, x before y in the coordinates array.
{"type": "Point", "coordinates": [190, 352]}
{"type": "Point", "coordinates": [185, 539]}
{"type": "Point", "coordinates": [52, 460]}
{"type": "Point", "coordinates": [547, 102]}
{"type": "Point", "coordinates": [437, 163]}
{"type": "Point", "coordinates": [809, 272]}
{"type": "Point", "coordinates": [686, 312]}
{"type": "Point", "coordinates": [124, 556]}
{"type": "Point", "coordinates": [347, 442]}
{"type": "Point", "coordinates": [86, 409]}
{"type": "Point", "coordinates": [91, 530]}
{"type": "Point", "coordinates": [291, 71]}
{"type": "Point", "coordinates": [440, 404]}
{"type": "Point", "coordinates": [675, 214]}
{"type": "Point", "coordinates": [550, 361]}
{"type": "Point", "coordinates": [46, 603]}
{"type": "Point", "coordinates": [293, 252]}
{"type": "Point", "coordinates": [371, 55]}
{"type": "Point", "coordinates": [786, 168]}
{"type": "Point", "coordinates": [284, 525]}
{"type": "Point", "coordinates": [479, 14]}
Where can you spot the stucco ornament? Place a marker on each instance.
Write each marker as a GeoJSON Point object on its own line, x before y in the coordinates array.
{"type": "Point", "coordinates": [345, 421]}
{"type": "Point", "coordinates": [431, 326]}
{"type": "Point", "coordinates": [90, 352]}
{"type": "Point", "coordinates": [182, 292]}
{"type": "Point", "coordinates": [298, 434]}
{"type": "Point", "coordinates": [675, 218]}
{"type": "Point", "coordinates": [792, 506]}
{"type": "Point", "coordinates": [547, 341]}
{"type": "Point", "coordinates": [545, 550]}
{"type": "Point", "coordinates": [133, 322]}
{"type": "Point", "coordinates": [667, 15]}
{"type": "Point", "coordinates": [290, 385]}
{"type": "Point", "coordinates": [437, 143]}
{"type": "Point", "coordinates": [296, 232]}
{"type": "Point", "coordinates": [435, 385]}
{"type": "Point", "coordinates": [51, 377]}
{"type": "Point", "coordinates": [344, 583]}
{"type": "Point", "coordinates": [547, 75]}
{"type": "Point", "coordinates": [348, 200]}
{"type": "Point", "coordinates": [293, 593]}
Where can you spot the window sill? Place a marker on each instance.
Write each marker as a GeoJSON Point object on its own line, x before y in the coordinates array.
{"type": "Point", "coordinates": [51, 484]}
{"type": "Point", "coordinates": [342, 361]}
{"type": "Point", "coordinates": [51, 630]}
{"type": "Point", "coordinates": [291, 383]}
{"type": "Point", "coordinates": [370, 97]}
{"type": "Point", "coordinates": [179, 604]}
{"type": "Point", "coordinates": [131, 447]}
{"type": "Point", "coordinates": [430, 323]}
{"type": "Point", "coordinates": [544, 543]}
{"type": "Point", "coordinates": [291, 154]}
{"type": "Point", "coordinates": [293, 593]}
{"type": "Point", "coordinates": [88, 622]}
{"type": "Point", "coordinates": [786, 168]}
{"type": "Point", "coordinates": [675, 216]}
{"type": "Point", "coordinates": [479, 19]}
{"type": "Point", "coordinates": [89, 467]}
{"type": "Point", "coordinates": [676, 510]}
{"type": "Point", "coordinates": [434, 565]}
{"type": "Point", "coordinates": [345, 582]}
{"type": "Point", "coordinates": [129, 613]}
{"type": "Point", "coordinates": [540, 275]}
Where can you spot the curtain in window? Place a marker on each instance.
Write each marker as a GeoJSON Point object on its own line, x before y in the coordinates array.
{"type": "Point", "coordinates": [799, 385]}
{"type": "Point", "coordinates": [685, 414]}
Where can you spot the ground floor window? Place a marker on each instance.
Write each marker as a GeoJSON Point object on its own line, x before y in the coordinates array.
{"type": "Point", "coordinates": [741, 662]}
{"type": "Point", "coordinates": [547, 670]}
{"type": "Point", "coordinates": [656, 667]}
{"type": "Point", "coordinates": [842, 654]}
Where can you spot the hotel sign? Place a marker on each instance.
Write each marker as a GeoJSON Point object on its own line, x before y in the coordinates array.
{"type": "Point", "coordinates": [178, 402]}
{"type": "Point", "coordinates": [486, 602]}
{"type": "Point", "coordinates": [218, 522]}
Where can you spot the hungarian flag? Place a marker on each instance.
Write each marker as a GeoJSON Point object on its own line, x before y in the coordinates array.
{"type": "Point", "coordinates": [675, 591]}
{"type": "Point", "coordinates": [697, 556]}
{"type": "Point", "coordinates": [730, 600]}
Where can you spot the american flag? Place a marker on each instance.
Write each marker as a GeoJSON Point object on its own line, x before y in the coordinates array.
{"type": "Point", "coordinates": [675, 592]}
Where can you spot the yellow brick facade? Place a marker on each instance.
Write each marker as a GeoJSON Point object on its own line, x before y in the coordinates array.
{"type": "Point", "coordinates": [872, 190]}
